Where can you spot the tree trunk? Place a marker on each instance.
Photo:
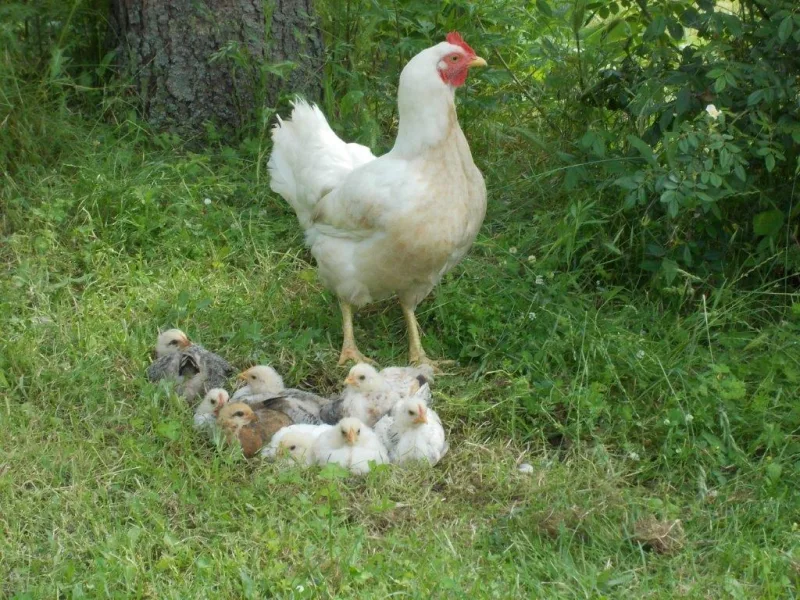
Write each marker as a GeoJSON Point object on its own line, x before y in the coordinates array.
{"type": "Point", "coordinates": [295, 37]}
{"type": "Point", "coordinates": [193, 61]}
{"type": "Point", "coordinates": [199, 61]}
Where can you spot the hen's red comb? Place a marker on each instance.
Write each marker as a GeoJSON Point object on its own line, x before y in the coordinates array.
{"type": "Point", "coordinates": [455, 38]}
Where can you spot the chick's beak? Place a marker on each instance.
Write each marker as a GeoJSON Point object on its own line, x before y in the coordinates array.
{"type": "Point", "coordinates": [185, 343]}
{"type": "Point", "coordinates": [422, 417]}
{"type": "Point", "coordinates": [350, 380]}
{"type": "Point", "coordinates": [477, 62]}
{"type": "Point", "coordinates": [242, 375]}
{"type": "Point", "coordinates": [350, 436]}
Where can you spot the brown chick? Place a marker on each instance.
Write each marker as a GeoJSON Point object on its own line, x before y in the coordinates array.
{"type": "Point", "coordinates": [251, 429]}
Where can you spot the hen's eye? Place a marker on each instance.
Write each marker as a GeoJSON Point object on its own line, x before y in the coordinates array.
{"type": "Point", "coordinates": [238, 414]}
{"type": "Point", "coordinates": [454, 58]}
{"type": "Point", "coordinates": [361, 378]}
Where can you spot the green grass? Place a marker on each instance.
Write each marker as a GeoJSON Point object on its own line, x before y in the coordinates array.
{"type": "Point", "coordinates": [630, 403]}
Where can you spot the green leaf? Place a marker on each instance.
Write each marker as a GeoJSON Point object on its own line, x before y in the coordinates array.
{"type": "Point", "coordinates": [768, 223]}
{"type": "Point", "coordinates": [644, 149]}
{"type": "Point", "coordinates": [785, 28]}
{"type": "Point", "coordinates": [740, 173]}
{"type": "Point", "coordinates": [769, 160]}
{"type": "Point", "coordinates": [675, 29]}
{"type": "Point", "coordinates": [655, 29]}
{"type": "Point", "coordinates": [755, 97]}
{"type": "Point", "coordinates": [544, 8]}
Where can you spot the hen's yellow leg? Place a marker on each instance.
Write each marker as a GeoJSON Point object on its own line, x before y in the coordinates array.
{"type": "Point", "coordinates": [349, 348]}
{"type": "Point", "coordinates": [416, 355]}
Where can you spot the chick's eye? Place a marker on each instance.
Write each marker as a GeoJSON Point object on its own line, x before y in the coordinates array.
{"type": "Point", "coordinates": [293, 447]}
{"type": "Point", "coordinates": [213, 402]}
{"type": "Point", "coordinates": [361, 377]}
{"type": "Point", "coordinates": [253, 377]}
{"type": "Point", "coordinates": [173, 343]}
{"type": "Point", "coordinates": [238, 414]}
{"type": "Point", "coordinates": [411, 412]}
{"type": "Point", "coordinates": [359, 431]}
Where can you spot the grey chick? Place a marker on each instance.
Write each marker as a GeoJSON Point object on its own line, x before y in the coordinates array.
{"type": "Point", "coordinates": [195, 369]}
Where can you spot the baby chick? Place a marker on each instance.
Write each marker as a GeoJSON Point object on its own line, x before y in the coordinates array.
{"type": "Point", "coordinates": [205, 414]}
{"type": "Point", "coordinates": [407, 380]}
{"type": "Point", "coordinates": [296, 441]}
{"type": "Point", "coordinates": [367, 396]}
{"type": "Point", "coordinates": [195, 369]}
{"type": "Point", "coordinates": [251, 429]}
{"type": "Point", "coordinates": [413, 430]}
{"type": "Point", "coordinates": [350, 444]}
{"type": "Point", "coordinates": [265, 389]}
{"type": "Point", "coordinates": [261, 382]}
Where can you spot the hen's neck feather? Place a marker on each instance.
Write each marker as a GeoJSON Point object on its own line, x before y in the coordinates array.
{"type": "Point", "coordinates": [426, 108]}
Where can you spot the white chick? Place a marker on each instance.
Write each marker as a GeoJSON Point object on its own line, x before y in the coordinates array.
{"type": "Point", "coordinates": [261, 383]}
{"type": "Point", "coordinates": [407, 380]}
{"type": "Point", "coordinates": [296, 441]}
{"type": "Point", "coordinates": [205, 415]}
{"type": "Point", "coordinates": [413, 430]}
{"type": "Point", "coordinates": [367, 396]}
{"type": "Point", "coordinates": [171, 341]}
{"type": "Point", "coordinates": [265, 388]}
{"type": "Point", "coordinates": [350, 444]}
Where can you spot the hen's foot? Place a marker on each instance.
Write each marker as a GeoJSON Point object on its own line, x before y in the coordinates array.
{"type": "Point", "coordinates": [436, 365]}
{"type": "Point", "coordinates": [351, 353]}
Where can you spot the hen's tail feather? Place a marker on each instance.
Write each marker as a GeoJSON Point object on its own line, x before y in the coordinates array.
{"type": "Point", "coordinates": [308, 159]}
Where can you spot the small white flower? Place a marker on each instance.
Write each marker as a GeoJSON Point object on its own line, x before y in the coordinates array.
{"type": "Point", "coordinates": [300, 589]}
{"type": "Point", "coordinates": [207, 201]}
{"type": "Point", "coordinates": [513, 250]}
{"type": "Point", "coordinates": [525, 469]}
{"type": "Point", "coordinates": [633, 455]}
{"type": "Point", "coordinates": [689, 418]}
{"type": "Point", "coordinates": [531, 259]}
{"type": "Point", "coordinates": [640, 354]}
{"type": "Point", "coordinates": [713, 112]}
{"type": "Point", "coordinates": [667, 422]}
{"type": "Point", "coordinates": [531, 316]}
{"type": "Point", "coordinates": [539, 280]}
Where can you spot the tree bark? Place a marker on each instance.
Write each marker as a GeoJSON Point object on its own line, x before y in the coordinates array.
{"type": "Point", "coordinates": [193, 61]}
{"type": "Point", "coordinates": [200, 61]}
{"type": "Point", "coordinates": [295, 37]}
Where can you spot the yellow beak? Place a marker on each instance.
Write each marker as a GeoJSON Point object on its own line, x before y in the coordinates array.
{"type": "Point", "coordinates": [350, 436]}
{"type": "Point", "coordinates": [477, 62]}
{"type": "Point", "coordinates": [349, 380]}
{"type": "Point", "coordinates": [185, 343]}
{"type": "Point", "coordinates": [421, 418]}
{"type": "Point", "coordinates": [242, 375]}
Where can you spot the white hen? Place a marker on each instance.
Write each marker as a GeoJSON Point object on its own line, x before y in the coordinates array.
{"type": "Point", "coordinates": [394, 225]}
{"type": "Point", "coordinates": [413, 430]}
{"type": "Point", "coordinates": [350, 444]}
